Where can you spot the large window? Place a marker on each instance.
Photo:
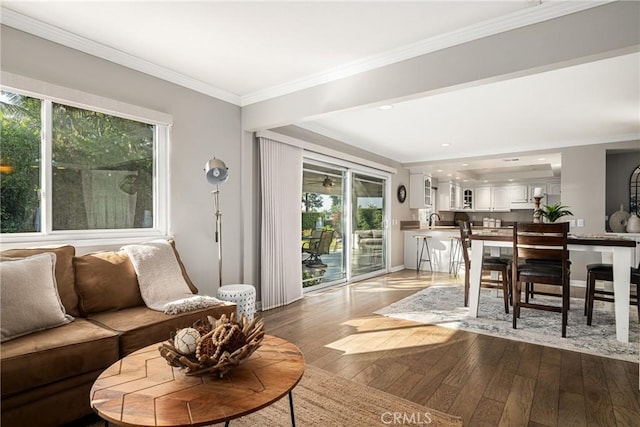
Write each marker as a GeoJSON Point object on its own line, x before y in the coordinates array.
{"type": "Point", "coordinates": [69, 170]}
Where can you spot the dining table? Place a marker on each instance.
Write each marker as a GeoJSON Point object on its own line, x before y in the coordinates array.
{"type": "Point", "coordinates": [623, 251]}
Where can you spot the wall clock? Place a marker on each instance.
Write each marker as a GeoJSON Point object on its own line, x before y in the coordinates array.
{"type": "Point", "coordinates": [402, 193]}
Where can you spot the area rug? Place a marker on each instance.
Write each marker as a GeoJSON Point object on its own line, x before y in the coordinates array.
{"type": "Point", "coordinates": [323, 399]}
{"type": "Point", "coordinates": [442, 305]}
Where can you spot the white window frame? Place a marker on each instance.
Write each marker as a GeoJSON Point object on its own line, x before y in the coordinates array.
{"type": "Point", "coordinates": [162, 122]}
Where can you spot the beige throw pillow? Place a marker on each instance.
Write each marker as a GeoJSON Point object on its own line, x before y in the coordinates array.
{"type": "Point", "coordinates": [29, 296]}
{"type": "Point", "coordinates": [64, 272]}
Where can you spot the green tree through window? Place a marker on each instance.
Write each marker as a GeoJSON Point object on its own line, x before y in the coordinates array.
{"type": "Point", "coordinates": [101, 168]}
{"type": "Point", "coordinates": [20, 122]}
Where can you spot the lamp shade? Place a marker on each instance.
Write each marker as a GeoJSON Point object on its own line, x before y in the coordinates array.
{"type": "Point", "coordinates": [216, 171]}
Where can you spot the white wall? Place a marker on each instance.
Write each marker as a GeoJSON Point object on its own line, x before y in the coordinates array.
{"type": "Point", "coordinates": [583, 183]}
{"type": "Point", "coordinates": [203, 127]}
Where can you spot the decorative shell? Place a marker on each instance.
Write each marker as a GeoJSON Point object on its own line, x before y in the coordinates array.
{"type": "Point", "coordinates": [222, 344]}
{"type": "Point", "coordinates": [186, 340]}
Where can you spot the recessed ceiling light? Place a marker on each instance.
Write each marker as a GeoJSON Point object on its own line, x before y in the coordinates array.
{"type": "Point", "coordinates": [465, 180]}
{"type": "Point", "coordinates": [510, 180]}
{"type": "Point", "coordinates": [446, 144]}
{"type": "Point", "coordinates": [541, 159]}
{"type": "Point", "coordinates": [386, 107]}
{"type": "Point", "coordinates": [439, 170]}
{"type": "Point", "coordinates": [448, 174]}
{"type": "Point", "coordinates": [465, 164]}
{"type": "Point", "coordinates": [486, 180]}
{"type": "Point", "coordinates": [457, 177]}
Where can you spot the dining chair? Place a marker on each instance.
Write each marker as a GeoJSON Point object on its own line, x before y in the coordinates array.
{"type": "Point", "coordinates": [489, 265]}
{"type": "Point", "coordinates": [604, 272]}
{"type": "Point", "coordinates": [321, 248]}
{"type": "Point", "coordinates": [541, 241]}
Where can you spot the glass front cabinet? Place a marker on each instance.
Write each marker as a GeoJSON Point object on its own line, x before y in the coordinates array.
{"type": "Point", "coordinates": [420, 191]}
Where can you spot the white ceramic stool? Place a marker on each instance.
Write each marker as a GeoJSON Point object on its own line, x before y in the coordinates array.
{"type": "Point", "coordinates": [243, 295]}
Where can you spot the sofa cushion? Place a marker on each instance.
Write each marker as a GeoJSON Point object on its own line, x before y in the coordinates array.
{"type": "Point", "coordinates": [55, 354]}
{"type": "Point", "coordinates": [141, 326]}
{"type": "Point", "coordinates": [64, 273]}
{"type": "Point", "coordinates": [29, 296]}
{"type": "Point", "coordinates": [56, 404]}
{"type": "Point", "coordinates": [106, 281]}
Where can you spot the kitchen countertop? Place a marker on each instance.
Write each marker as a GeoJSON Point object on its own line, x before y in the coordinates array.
{"type": "Point", "coordinates": [451, 228]}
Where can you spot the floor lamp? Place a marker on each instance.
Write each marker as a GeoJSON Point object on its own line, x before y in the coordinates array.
{"type": "Point", "coordinates": [217, 173]}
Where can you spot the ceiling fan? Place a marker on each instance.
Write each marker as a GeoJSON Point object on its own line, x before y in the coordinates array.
{"type": "Point", "coordinates": [327, 182]}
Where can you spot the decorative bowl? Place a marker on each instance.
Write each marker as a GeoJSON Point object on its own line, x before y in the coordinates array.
{"type": "Point", "coordinates": [220, 345]}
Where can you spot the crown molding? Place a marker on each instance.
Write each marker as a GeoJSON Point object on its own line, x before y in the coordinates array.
{"type": "Point", "coordinates": [49, 32]}
{"type": "Point", "coordinates": [521, 18]}
{"type": "Point", "coordinates": [528, 16]}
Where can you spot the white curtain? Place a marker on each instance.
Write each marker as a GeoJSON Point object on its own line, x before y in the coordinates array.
{"type": "Point", "coordinates": [281, 182]}
{"type": "Point", "coordinates": [107, 200]}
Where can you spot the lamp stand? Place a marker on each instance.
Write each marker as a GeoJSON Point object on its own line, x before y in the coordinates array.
{"type": "Point", "coordinates": [216, 205]}
{"type": "Point", "coordinates": [536, 211]}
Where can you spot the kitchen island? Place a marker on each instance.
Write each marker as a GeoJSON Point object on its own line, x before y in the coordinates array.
{"type": "Point", "coordinates": [440, 247]}
{"type": "Point", "coordinates": [442, 237]}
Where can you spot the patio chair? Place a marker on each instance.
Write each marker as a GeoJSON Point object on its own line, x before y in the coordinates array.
{"type": "Point", "coordinates": [312, 240]}
{"type": "Point", "coordinates": [319, 249]}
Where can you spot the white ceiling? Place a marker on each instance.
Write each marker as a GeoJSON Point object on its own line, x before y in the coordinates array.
{"type": "Point", "coordinates": [244, 52]}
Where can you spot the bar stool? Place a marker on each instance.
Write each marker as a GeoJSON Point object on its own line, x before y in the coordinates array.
{"type": "Point", "coordinates": [455, 255]}
{"type": "Point", "coordinates": [420, 251]}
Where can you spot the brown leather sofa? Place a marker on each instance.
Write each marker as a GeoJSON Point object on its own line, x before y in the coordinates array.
{"type": "Point", "coordinates": [47, 375]}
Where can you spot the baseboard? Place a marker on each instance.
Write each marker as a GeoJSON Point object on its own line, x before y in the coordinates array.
{"type": "Point", "coordinates": [396, 268]}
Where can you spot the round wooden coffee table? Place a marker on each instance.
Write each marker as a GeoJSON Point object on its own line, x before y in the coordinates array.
{"type": "Point", "coordinates": [143, 390]}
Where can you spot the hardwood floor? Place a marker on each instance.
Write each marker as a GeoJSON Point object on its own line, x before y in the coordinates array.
{"type": "Point", "coordinates": [487, 381]}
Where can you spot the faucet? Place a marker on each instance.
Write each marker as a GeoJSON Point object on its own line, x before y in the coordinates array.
{"type": "Point", "coordinates": [431, 222]}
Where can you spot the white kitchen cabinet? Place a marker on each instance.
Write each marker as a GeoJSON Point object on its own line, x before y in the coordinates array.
{"type": "Point", "coordinates": [483, 199]}
{"type": "Point", "coordinates": [444, 197]}
{"type": "Point", "coordinates": [500, 198]}
{"type": "Point", "coordinates": [519, 194]}
{"type": "Point", "coordinates": [492, 198]}
{"type": "Point", "coordinates": [449, 197]}
{"type": "Point", "coordinates": [553, 188]}
{"type": "Point", "coordinates": [419, 191]}
{"type": "Point", "coordinates": [458, 203]}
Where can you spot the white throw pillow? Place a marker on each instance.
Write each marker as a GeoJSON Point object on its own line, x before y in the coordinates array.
{"type": "Point", "coordinates": [29, 299]}
{"type": "Point", "coordinates": [159, 276]}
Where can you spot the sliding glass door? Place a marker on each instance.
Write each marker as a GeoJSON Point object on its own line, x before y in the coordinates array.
{"type": "Point", "coordinates": [368, 222]}
{"type": "Point", "coordinates": [323, 195]}
{"type": "Point", "coordinates": [344, 222]}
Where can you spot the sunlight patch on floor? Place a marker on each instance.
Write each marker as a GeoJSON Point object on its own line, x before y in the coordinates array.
{"type": "Point", "coordinates": [392, 339]}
